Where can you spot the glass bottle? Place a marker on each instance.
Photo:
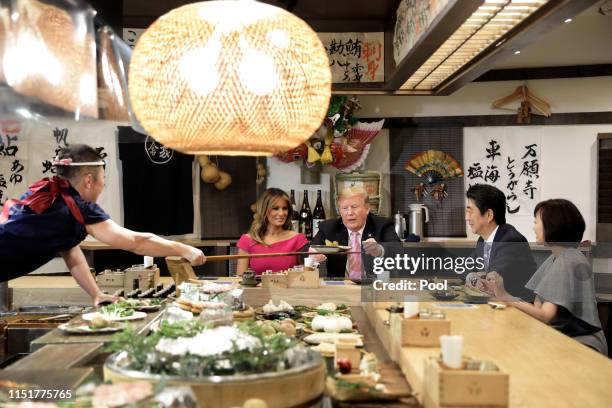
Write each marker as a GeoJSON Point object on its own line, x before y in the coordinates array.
{"type": "Point", "coordinates": [306, 217]}
{"type": "Point", "coordinates": [318, 214]}
{"type": "Point", "coordinates": [295, 215]}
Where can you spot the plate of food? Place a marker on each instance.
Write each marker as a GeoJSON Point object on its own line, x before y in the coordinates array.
{"type": "Point", "coordinates": [143, 305]}
{"type": "Point", "coordinates": [444, 294]}
{"type": "Point", "coordinates": [330, 247]}
{"type": "Point", "coordinates": [115, 314]}
{"type": "Point", "coordinates": [107, 327]}
{"type": "Point", "coordinates": [318, 338]}
{"type": "Point", "coordinates": [198, 307]}
{"type": "Point", "coordinates": [473, 295]}
{"type": "Point", "coordinates": [250, 284]}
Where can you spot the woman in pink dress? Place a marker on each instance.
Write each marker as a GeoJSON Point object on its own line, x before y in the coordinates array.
{"type": "Point", "coordinates": [271, 233]}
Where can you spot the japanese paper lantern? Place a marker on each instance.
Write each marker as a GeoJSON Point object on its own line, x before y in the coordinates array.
{"type": "Point", "coordinates": [230, 77]}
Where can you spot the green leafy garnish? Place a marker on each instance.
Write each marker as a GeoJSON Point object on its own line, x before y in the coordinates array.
{"type": "Point", "coordinates": [266, 354]}
{"type": "Point", "coordinates": [115, 310]}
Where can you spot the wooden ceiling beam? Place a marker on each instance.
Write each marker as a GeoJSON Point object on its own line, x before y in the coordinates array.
{"type": "Point", "coordinates": [443, 26]}
{"type": "Point", "coordinates": [541, 21]}
{"type": "Point", "coordinates": [524, 74]}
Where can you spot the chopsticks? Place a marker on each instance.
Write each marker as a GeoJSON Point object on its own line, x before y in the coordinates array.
{"type": "Point", "coordinates": [214, 258]}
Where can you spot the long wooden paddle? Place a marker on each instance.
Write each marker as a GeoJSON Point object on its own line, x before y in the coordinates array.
{"type": "Point", "coordinates": [213, 258]}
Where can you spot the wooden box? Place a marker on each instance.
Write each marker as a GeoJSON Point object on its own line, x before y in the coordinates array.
{"type": "Point", "coordinates": [274, 280]}
{"type": "Point", "coordinates": [419, 332]}
{"type": "Point", "coordinates": [303, 278]}
{"type": "Point", "coordinates": [147, 277]}
{"type": "Point", "coordinates": [446, 387]}
{"type": "Point", "coordinates": [111, 281]}
{"type": "Point", "coordinates": [347, 348]}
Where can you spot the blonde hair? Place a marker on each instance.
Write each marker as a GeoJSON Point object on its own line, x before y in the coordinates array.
{"type": "Point", "coordinates": [259, 226]}
{"type": "Point", "coordinates": [353, 191]}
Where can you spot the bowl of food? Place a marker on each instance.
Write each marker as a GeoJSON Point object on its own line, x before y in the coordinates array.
{"type": "Point", "coordinates": [473, 295]}
{"type": "Point", "coordinates": [224, 366]}
{"type": "Point", "coordinates": [328, 249]}
{"type": "Point", "coordinates": [444, 294]}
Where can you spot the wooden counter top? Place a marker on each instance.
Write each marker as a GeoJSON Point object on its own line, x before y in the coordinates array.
{"type": "Point", "coordinates": [546, 367]}
{"type": "Point", "coordinates": [63, 290]}
{"type": "Point", "coordinates": [349, 294]}
{"type": "Point", "coordinates": [58, 357]}
{"type": "Point", "coordinates": [57, 336]}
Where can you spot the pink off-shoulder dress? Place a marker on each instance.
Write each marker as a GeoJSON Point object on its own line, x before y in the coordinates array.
{"type": "Point", "coordinates": [279, 263]}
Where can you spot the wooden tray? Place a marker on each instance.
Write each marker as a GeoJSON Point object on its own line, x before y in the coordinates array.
{"type": "Point", "coordinates": [390, 376]}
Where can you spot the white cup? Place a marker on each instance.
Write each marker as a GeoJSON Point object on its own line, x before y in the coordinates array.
{"type": "Point", "coordinates": [411, 306]}
{"type": "Point", "coordinates": [148, 261]}
{"type": "Point", "coordinates": [452, 347]}
{"type": "Point", "coordinates": [311, 262]}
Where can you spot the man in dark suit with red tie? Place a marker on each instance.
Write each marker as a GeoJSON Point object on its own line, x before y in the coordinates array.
{"type": "Point", "coordinates": [357, 228]}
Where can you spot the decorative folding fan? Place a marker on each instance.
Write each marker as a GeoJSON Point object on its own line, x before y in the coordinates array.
{"type": "Point", "coordinates": [434, 165]}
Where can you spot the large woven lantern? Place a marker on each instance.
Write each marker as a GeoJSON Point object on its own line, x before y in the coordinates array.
{"type": "Point", "coordinates": [230, 77]}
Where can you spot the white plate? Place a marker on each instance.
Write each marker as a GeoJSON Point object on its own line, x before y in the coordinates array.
{"type": "Point", "coordinates": [135, 316]}
{"type": "Point", "coordinates": [318, 338]}
{"type": "Point", "coordinates": [146, 308]}
{"type": "Point", "coordinates": [326, 249]}
{"type": "Point", "coordinates": [85, 329]}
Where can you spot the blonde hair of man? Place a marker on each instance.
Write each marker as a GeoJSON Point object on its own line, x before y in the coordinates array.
{"type": "Point", "coordinates": [353, 191]}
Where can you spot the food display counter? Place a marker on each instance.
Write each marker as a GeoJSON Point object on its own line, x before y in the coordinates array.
{"type": "Point", "coordinates": [544, 366]}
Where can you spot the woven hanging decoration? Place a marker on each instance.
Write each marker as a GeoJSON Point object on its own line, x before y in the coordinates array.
{"type": "Point", "coordinates": [230, 78]}
{"type": "Point", "coordinates": [112, 89]}
{"type": "Point", "coordinates": [50, 54]}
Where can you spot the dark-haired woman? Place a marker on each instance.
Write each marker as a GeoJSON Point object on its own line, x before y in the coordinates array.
{"type": "Point", "coordinates": [563, 284]}
{"type": "Point", "coordinates": [271, 232]}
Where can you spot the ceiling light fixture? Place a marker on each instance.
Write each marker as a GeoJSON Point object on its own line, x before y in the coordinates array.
{"type": "Point", "coordinates": [485, 27]}
{"type": "Point", "coordinates": [568, 20]}
{"type": "Point", "coordinates": [230, 78]}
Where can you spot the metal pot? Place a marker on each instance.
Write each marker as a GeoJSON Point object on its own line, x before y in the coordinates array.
{"type": "Point", "coordinates": [400, 225]}
{"type": "Point", "coordinates": [416, 222]}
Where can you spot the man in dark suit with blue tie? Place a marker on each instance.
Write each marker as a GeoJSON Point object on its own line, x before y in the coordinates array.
{"type": "Point", "coordinates": [357, 228]}
{"type": "Point", "coordinates": [504, 249]}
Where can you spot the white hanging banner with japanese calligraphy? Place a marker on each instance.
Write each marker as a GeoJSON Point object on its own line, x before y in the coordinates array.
{"type": "Point", "coordinates": [355, 57]}
{"type": "Point", "coordinates": [28, 148]}
{"type": "Point", "coordinates": [505, 159]}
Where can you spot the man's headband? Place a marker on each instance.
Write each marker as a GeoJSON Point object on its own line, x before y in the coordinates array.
{"type": "Point", "coordinates": [69, 162]}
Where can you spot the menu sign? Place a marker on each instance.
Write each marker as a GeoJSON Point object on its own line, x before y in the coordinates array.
{"type": "Point", "coordinates": [355, 57]}
{"type": "Point", "coordinates": [508, 162]}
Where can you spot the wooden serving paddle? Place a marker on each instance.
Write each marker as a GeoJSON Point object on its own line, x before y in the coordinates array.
{"type": "Point", "coordinates": [213, 258]}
